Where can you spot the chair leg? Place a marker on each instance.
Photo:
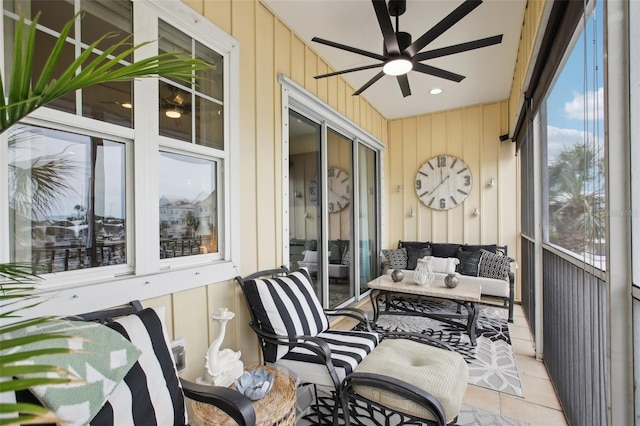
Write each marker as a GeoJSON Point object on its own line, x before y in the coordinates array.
{"type": "Point", "coordinates": [315, 391]}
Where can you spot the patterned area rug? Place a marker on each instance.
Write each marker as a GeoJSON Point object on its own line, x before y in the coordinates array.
{"type": "Point", "coordinates": [362, 414]}
{"type": "Point", "coordinates": [491, 362]}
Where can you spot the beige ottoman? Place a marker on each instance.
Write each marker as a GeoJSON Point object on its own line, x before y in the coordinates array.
{"type": "Point", "coordinates": [440, 372]}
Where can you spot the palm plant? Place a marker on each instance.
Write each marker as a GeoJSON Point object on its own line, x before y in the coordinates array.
{"type": "Point", "coordinates": [576, 198]}
{"type": "Point", "coordinates": [25, 94]}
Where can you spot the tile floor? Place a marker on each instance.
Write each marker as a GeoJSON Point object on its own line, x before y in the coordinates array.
{"type": "Point", "coordinates": [540, 404]}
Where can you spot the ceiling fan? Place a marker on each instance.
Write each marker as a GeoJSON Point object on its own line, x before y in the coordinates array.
{"type": "Point", "coordinates": [174, 105]}
{"type": "Point", "coordinates": [401, 55]}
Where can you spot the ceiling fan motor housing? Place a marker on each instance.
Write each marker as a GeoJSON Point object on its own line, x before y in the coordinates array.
{"type": "Point", "coordinates": [397, 7]}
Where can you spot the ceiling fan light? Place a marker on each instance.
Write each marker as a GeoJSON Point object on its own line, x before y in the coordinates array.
{"type": "Point", "coordinates": [397, 66]}
{"type": "Point", "coordinates": [173, 113]}
{"type": "Point", "coordinates": [127, 105]}
{"type": "Point", "coordinates": [435, 91]}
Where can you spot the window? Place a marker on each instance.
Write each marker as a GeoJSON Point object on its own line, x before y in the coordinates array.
{"type": "Point", "coordinates": [575, 149]}
{"type": "Point", "coordinates": [98, 188]}
{"type": "Point", "coordinates": [66, 199]}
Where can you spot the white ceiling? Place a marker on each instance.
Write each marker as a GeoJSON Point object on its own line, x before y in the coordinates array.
{"type": "Point", "coordinates": [488, 71]}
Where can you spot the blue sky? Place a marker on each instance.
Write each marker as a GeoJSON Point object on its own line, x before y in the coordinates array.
{"type": "Point", "coordinates": [576, 88]}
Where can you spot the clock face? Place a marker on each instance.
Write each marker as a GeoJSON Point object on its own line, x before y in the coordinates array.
{"type": "Point", "coordinates": [443, 182]}
{"type": "Point", "coordinates": [339, 187]}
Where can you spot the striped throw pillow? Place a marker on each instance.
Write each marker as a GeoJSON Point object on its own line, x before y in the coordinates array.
{"type": "Point", "coordinates": [150, 393]}
{"type": "Point", "coordinates": [286, 306]}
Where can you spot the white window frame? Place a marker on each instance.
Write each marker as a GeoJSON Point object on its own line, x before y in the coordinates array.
{"type": "Point", "coordinates": [145, 275]}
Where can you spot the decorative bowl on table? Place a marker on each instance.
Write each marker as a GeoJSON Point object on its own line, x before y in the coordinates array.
{"type": "Point", "coordinates": [254, 384]}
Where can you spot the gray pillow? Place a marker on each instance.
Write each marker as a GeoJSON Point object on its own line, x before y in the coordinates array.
{"type": "Point", "coordinates": [397, 258]}
{"type": "Point", "coordinates": [413, 254]}
{"type": "Point", "coordinates": [494, 266]}
{"type": "Point", "coordinates": [469, 262]}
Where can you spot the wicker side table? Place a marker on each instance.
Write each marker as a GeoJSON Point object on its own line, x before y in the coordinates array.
{"type": "Point", "coordinates": [278, 407]}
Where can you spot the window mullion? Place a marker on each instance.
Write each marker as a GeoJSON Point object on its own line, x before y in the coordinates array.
{"type": "Point", "coordinates": [145, 212]}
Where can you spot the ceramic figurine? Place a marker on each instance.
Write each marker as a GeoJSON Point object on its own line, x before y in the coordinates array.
{"type": "Point", "coordinates": [221, 367]}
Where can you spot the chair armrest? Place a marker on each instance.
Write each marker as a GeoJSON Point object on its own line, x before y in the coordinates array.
{"type": "Point", "coordinates": [399, 387]}
{"type": "Point", "coordinates": [354, 313]}
{"type": "Point", "coordinates": [232, 402]}
{"type": "Point", "coordinates": [417, 337]}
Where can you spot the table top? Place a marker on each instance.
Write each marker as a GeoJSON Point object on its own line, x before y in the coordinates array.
{"type": "Point", "coordinates": [277, 407]}
{"type": "Point", "coordinates": [466, 292]}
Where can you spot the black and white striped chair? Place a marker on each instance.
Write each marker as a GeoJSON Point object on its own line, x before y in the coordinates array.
{"type": "Point", "coordinates": [293, 329]}
{"type": "Point", "coordinates": [151, 392]}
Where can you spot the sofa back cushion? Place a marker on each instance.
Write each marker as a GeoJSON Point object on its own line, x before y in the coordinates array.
{"type": "Point", "coordinates": [493, 248]}
{"type": "Point", "coordinates": [285, 306]}
{"type": "Point", "coordinates": [414, 253]}
{"type": "Point", "coordinates": [444, 249]}
{"type": "Point", "coordinates": [414, 244]}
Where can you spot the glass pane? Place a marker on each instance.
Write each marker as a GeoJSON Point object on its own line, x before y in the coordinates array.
{"type": "Point", "coordinates": [174, 112]}
{"type": "Point", "coordinates": [43, 47]}
{"type": "Point", "coordinates": [575, 150]}
{"type": "Point", "coordinates": [54, 14]}
{"type": "Point", "coordinates": [112, 17]}
{"type": "Point", "coordinates": [210, 82]}
{"type": "Point", "coordinates": [339, 179]}
{"type": "Point", "coordinates": [369, 268]}
{"type": "Point", "coordinates": [188, 206]}
{"type": "Point", "coordinates": [171, 41]}
{"type": "Point", "coordinates": [304, 196]}
{"type": "Point", "coordinates": [67, 199]}
{"type": "Point", "coordinates": [110, 102]}
{"type": "Point", "coordinates": [209, 123]}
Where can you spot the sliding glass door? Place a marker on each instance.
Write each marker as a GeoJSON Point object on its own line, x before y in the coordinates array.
{"type": "Point", "coordinates": [332, 208]}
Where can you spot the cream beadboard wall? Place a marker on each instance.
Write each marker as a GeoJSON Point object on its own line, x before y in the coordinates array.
{"type": "Point", "coordinates": [473, 135]}
{"type": "Point", "coordinates": [267, 48]}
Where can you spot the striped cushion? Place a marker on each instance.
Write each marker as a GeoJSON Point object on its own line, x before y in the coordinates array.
{"type": "Point", "coordinates": [286, 306]}
{"type": "Point", "coordinates": [150, 393]}
{"type": "Point", "coordinates": [348, 349]}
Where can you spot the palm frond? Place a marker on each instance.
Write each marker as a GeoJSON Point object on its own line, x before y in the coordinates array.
{"type": "Point", "coordinates": [24, 97]}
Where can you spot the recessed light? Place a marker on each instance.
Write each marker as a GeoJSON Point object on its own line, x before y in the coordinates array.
{"type": "Point", "coordinates": [435, 91]}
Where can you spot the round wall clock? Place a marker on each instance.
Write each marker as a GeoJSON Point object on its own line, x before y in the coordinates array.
{"type": "Point", "coordinates": [443, 182]}
{"type": "Point", "coordinates": [339, 187]}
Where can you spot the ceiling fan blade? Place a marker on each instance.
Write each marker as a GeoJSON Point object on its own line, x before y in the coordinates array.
{"type": "Point", "coordinates": [438, 72]}
{"type": "Point", "coordinates": [403, 81]}
{"type": "Point", "coordinates": [390, 39]}
{"type": "Point", "coordinates": [369, 83]}
{"type": "Point", "coordinates": [366, 67]}
{"type": "Point", "coordinates": [459, 48]}
{"type": "Point", "coordinates": [348, 48]}
{"type": "Point", "coordinates": [447, 22]}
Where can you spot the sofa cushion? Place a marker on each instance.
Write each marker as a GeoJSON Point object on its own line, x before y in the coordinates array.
{"type": "Point", "coordinates": [444, 249]}
{"type": "Point", "coordinates": [469, 262]}
{"type": "Point", "coordinates": [494, 266]}
{"type": "Point", "coordinates": [443, 265]}
{"type": "Point", "coordinates": [493, 248]}
{"type": "Point", "coordinates": [286, 306]}
{"type": "Point", "coordinates": [414, 244]}
{"type": "Point", "coordinates": [397, 258]}
{"type": "Point", "coordinates": [414, 253]}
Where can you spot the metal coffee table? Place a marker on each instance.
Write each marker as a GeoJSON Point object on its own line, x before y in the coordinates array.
{"type": "Point", "coordinates": [465, 294]}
